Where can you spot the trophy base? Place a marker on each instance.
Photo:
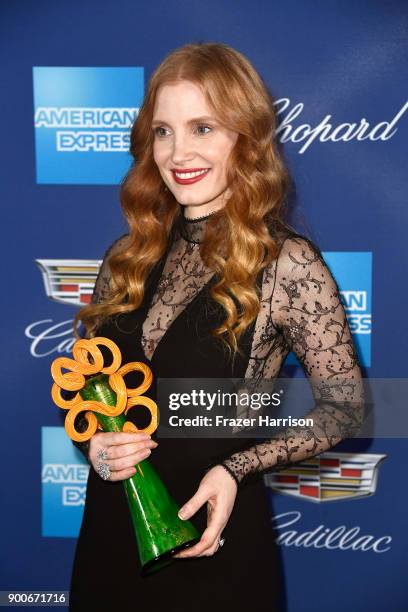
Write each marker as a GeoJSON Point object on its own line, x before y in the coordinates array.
{"type": "Point", "coordinates": [166, 558]}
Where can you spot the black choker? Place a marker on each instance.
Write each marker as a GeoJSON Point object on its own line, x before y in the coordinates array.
{"type": "Point", "coordinates": [193, 230]}
{"type": "Point", "coordinates": [199, 218]}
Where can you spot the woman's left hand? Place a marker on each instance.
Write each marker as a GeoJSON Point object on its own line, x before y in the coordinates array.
{"type": "Point", "coordinates": [219, 490]}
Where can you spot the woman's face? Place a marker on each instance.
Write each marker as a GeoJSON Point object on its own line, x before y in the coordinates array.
{"type": "Point", "coordinates": [191, 148]}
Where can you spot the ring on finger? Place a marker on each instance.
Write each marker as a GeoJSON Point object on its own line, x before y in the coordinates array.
{"type": "Point", "coordinates": [102, 453]}
{"type": "Point", "coordinates": [103, 470]}
{"type": "Point", "coordinates": [221, 542]}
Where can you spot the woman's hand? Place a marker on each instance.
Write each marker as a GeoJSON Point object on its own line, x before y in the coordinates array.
{"type": "Point", "coordinates": [219, 490]}
{"type": "Point", "coordinates": [122, 452]}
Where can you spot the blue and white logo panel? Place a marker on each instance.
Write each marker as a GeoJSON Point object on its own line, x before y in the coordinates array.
{"type": "Point", "coordinates": [64, 475]}
{"type": "Point", "coordinates": [353, 274]}
{"type": "Point", "coordinates": [82, 122]}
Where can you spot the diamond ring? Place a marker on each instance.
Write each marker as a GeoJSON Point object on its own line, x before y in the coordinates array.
{"type": "Point", "coordinates": [103, 470]}
{"type": "Point", "coordinates": [221, 542]}
{"type": "Point", "coordinates": [102, 453]}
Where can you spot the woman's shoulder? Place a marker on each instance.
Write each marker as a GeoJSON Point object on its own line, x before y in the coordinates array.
{"type": "Point", "coordinates": [117, 245]}
{"type": "Point", "coordinates": [300, 268]}
{"type": "Point", "coordinates": [292, 245]}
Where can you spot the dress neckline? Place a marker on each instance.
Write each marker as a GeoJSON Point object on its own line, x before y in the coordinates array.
{"type": "Point", "coordinates": [193, 230]}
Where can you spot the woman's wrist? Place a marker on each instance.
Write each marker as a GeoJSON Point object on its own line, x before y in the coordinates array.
{"type": "Point", "coordinates": [231, 473]}
{"type": "Point", "coordinates": [227, 470]}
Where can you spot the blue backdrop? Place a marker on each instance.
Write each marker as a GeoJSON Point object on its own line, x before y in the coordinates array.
{"type": "Point", "coordinates": [73, 76]}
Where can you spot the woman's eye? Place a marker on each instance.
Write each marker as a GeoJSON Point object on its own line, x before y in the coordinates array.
{"type": "Point", "coordinates": [159, 131]}
{"type": "Point", "coordinates": [206, 127]}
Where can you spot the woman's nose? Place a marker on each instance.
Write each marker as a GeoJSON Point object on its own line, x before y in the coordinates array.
{"type": "Point", "coordinates": [182, 149]}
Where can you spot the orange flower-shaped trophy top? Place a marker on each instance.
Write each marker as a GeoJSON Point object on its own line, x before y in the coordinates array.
{"type": "Point", "coordinates": [74, 380]}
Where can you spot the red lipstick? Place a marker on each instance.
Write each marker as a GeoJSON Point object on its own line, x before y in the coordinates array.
{"type": "Point", "coordinates": [193, 179]}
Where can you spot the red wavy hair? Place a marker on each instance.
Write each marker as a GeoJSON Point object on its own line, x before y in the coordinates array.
{"type": "Point", "coordinates": [258, 181]}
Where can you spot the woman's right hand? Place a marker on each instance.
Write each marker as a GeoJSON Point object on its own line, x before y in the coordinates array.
{"type": "Point", "coordinates": [122, 451]}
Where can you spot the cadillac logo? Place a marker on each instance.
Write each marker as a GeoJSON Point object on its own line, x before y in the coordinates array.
{"type": "Point", "coordinates": [329, 477]}
{"type": "Point", "coordinates": [70, 281]}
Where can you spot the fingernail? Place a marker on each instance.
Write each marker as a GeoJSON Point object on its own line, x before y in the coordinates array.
{"type": "Point", "coordinates": [147, 451]}
{"type": "Point", "coordinates": [180, 514]}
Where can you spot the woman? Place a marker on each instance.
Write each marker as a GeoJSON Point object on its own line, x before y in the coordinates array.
{"type": "Point", "coordinates": [208, 283]}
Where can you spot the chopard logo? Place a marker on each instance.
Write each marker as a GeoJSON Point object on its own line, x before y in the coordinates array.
{"type": "Point", "coordinates": [325, 131]}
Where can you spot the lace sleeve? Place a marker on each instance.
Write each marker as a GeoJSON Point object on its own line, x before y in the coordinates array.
{"type": "Point", "coordinates": [100, 293]}
{"type": "Point", "coordinates": [306, 310]}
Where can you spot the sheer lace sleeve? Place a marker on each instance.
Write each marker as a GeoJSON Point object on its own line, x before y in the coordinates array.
{"type": "Point", "coordinates": [100, 293]}
{"type": "Point", "coordinates": [306, 311]}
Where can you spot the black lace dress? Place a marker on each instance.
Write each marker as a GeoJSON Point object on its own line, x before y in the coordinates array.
{"type": "Point", "coordinates": [300, 311]}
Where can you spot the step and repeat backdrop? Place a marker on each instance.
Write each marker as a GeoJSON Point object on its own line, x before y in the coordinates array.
{"type": "Point", "coordinates": [74, 77]}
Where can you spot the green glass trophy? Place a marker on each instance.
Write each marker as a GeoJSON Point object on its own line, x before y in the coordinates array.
{"type": "Point", "coordinates": [159, 531]}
